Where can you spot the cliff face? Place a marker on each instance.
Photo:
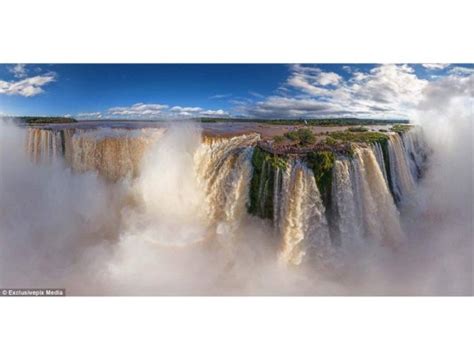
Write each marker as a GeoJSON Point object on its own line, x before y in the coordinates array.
{"type": "Point", "coordinates": [361, 180]}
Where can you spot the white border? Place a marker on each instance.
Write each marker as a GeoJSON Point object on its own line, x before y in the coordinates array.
{"type": "Point", "coordinates": [238, 31]}
{"type": "Point", "coordinates": [262, 325]}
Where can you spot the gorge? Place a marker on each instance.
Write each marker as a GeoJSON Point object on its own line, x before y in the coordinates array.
{"type": "Point", "coordinates": [226, 212]}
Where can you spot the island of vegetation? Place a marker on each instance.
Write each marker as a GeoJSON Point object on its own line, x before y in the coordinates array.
{"type": "Point", "coordinates": [33, 120]}
{"type": "Point", "coordinates": [318, 150]}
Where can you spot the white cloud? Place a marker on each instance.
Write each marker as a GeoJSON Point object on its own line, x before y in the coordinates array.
{"type": "Point", "coordinates": [138, 109]}
{"type": "Point", "coordinates": [89, 115]}
{"type": "Point", "coordinates": [325, 79]}
{"type": "Point", "coordinates": [282, 107]}
{"type": "Point", "coordinates": [185, 109]}
{"type": "Point", "coordinates": [214, 113]}
{"type": "Point", "coordinates": [152, 111]}
{"type": "Point", "coordinates": [462, 71]}
{"type": "Point", "coordinates": [256, 94]}
{"type": "Point", "coordinates": [347, 68]}
{"type": "Point", "coordinates": [388, 84]}
{"type": "Point", "coordinates": [220, 96]}
{"type": "Point", "coordinates": [195, 112]}
{"type": "Point", "coordinates": [312, 80]}
{"type": "Point", "coordinates": [18, 71]}
{"type": "Point", "coordinates": [26, 87]}
{"type": "Point", "coordinates": [435, 66]}
{"type": "Point", "coordinates": [301, 83]}
{"type": "Point", "coordinates": [384, 91]}
{"type": "Point", "coordinates": [439, 93]}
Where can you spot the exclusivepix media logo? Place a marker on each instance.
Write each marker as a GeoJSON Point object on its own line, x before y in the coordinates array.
{"type": "Point", "coordinates": [33, 292]}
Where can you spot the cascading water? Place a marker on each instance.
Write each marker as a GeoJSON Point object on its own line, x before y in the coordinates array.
{"type": "Point", "coordinates": [224, 170]}
{"type": "Point", "coordinates": [403, 183]}
{"type": "Point", "coordinates": [44, 145]}
{"type": "Point", "coordinates": [213, 177]}
{"type": "Point", "coordinates": [345, 206]}
{"type": "Point", "coordinates": [379, 213]}
{"type": "Point", "coordinates": [380, 159]}
{"type": "Point", "coordinates": [114, 154]}
{"type": "Point", "coordinates": [302, 221]}
{"type": "Point", "coordinates": [416, 150]}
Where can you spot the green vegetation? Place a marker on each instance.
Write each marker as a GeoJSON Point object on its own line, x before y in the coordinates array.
{"type": "Point", "coordinates": [292, 136]}
{"type": "Point", "coordinates": [401, 128]}
{"type": "Point", "coordinates": [322, 162]}
{"type": "Point", "coordinates": [330, 141]}
{"type": "Point", "coordinates": [358, 129]}
{"type": "Point", "coordinates": [302, 136]}
{"type": "Point", "coordinates": [261, 186]}
{"type": "Point", "coordinates": [359, 137]}
{"type": "Point", "coordinates": [44, 120]}
{"type": "Point", "coordinates": [278, 140]}
{"type": "Point", "coordinates": [275, 161]}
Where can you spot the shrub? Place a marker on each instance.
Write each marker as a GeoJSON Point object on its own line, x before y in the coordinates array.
{"type": "Point", "coordinates": [322, 162]}
{"type": "Point", "coordinates": [261, 185]}
{"type": "Point", "coordinates": [330, 141]}
{"type": "Point", "coordinates": [359, 137]}
{"type": "Point", "coordinates": [400, 128]}
{"type": "Point", "coordinates": [278, 140]}
{"type": "Point", "coordinates": [292, 136]}
{"type": "Point", "coordinates": [303, 136]}
{"type": "Point", "coordinates": [306, 136]}
{"type": "Point", "coordinates": [358, 129]}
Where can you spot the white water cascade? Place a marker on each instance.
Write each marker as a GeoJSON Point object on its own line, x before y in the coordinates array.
{"type": "Point", "coordinates": [113, 153]}
{"type": "Point", "coordinates": [44, 146]}
{"type": "Point", "coordinates": [362, 204]}
{"type": "Point", "coordinates": [189, 188]}
{"type": "Point", "coordinates": [224, 170]}
{"type": "Point", "coordinates": [302, 221]}
{"type": "Point", "coordinates": [379, 213]}
{"type": "Point", "coordinates": [346, 209]}
{"type": "Point", "coordinates": [379, 155]}
{"type": "Point", "coordinates": [416, 150]}
{"type": "Point", "coordinates": [403, 183]}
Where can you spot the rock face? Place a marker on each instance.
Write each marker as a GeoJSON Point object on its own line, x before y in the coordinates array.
{"type": "Point", "coordinates": [337, 192]}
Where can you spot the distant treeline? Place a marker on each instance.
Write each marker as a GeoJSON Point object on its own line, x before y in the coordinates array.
{"type": "Point", "coordinates": [43, 119]}
{"type": "Point", "coordinates": [310, 121]}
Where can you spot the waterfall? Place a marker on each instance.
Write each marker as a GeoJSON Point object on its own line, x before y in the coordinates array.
{"type": "Point", "coordinates": [379, 156]}
{"type": "Point", "coordinates": [346, 211]}
{"type": "Point", "coordinates": [379, 213]}
{"type": "Point", "coordinates": [114, 154]}
{"type": "Point", "coordinates": [191, 189]}
{"type": "Point", "coordinates": [277, 187]}
{"type": "Point", "coordinates": [403, 183]}
{"type": "Point", "coordinates": [209, 184]}
{"type": "Point", "coordinates": [303, 225]}
{"type": "Point", "coordinates": [222, 165]}
{"type": "Point", "coordinates": [416, 150]}
{"type": "Point", "coordinates": [224, 170]}
{"type": "Point", "coordinates": [44, 145]}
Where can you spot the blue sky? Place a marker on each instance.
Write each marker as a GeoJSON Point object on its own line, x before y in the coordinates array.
{"type": "Point", "coordinates": [91, 91]}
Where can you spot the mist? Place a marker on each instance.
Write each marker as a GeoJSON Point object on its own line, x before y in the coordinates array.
{"type": "Point", "coordinates": [169, 231]}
